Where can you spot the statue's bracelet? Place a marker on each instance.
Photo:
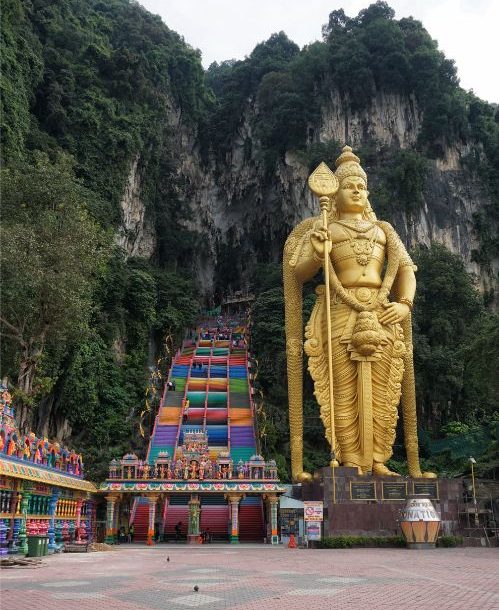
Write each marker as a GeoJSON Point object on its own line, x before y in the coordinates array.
{"type": "Point", "coordinates": [407, 302]}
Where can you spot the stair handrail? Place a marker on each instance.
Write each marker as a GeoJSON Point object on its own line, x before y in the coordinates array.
{"type": "Point", "coordinates": [182, 406]}
{"type": "Point", "coordinates": [208, 373]}
{"type": "Point", "coordinates": [133, 511]}
{"type": "Point", "coordinates": [252, 404]}
{"type": "Point", "coordinates": [228, 399]}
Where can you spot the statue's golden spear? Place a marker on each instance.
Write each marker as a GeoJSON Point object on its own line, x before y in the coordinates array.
{"type": "Point", "coordinates": [323, 183]}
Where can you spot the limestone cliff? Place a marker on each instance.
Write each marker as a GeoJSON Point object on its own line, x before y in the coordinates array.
{"type": "Point", "coordinates": [238, 205]}
{"type": "Point", "coordinates": [242, 213]}
{"type": "Point", "coordinates": [136, 235]}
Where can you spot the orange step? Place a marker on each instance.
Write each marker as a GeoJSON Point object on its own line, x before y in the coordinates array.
{"type": "Point", "coordinates": [169, 415]}
{"type": "Point", "coordinates": [237, 416]}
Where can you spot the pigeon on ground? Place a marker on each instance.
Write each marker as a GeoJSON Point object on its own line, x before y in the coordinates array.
{"type": "Point", "coordinates": [168, 558]}
{"type": "Point", "coordinates": [196, 588]}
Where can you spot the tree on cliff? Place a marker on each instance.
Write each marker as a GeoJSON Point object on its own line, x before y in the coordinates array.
{"type": "Point", "coordinates": [51, 250]}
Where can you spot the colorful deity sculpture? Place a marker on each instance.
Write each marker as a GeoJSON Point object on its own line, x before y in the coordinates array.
{"type": "Point", "coordinates": [193, 469]}
{"type": "Point", "coordinates": [178, 469]}
{"type": "Point", "coordinates": [358, 339]}
{"type": "Point", "coordinates": [240, 469]}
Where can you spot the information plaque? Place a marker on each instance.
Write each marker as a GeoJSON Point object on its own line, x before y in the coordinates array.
{"type": "Point", "coordinates": [394, 490]}
{"type": "Point", "coordinates": [429, 488]}
{"type": "Point", "coordinates": [363, 491]}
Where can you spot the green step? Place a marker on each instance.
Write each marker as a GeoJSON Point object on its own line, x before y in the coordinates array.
{"type": "Point", "coordinates": [196, 399]}
{"type": "Point", "coordinates": [155, 450]}
{"type": "Point", "coordinates": [203, 351]}
{"type": "Point", "coordinates": [220, 351]}
{"type": "Point", "coordinates": [179, 383]}
{"type": "Point", "coordinates": [241, 453]}
{"type": "Point", "coordinates": [238, 385]}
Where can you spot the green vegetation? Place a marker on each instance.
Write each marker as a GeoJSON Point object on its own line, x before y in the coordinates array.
{"type": "Point", "coordinates": [449, 541]}
{"type": "Point", "coordinates": [51, 252]}
{"type": "Point", "coordinates": [360, 57]}
{"type": "Point", "coordinates": [68, 303]}
{"type": "Point", "coordinates": [350, 542]}
{"type": "Point", "coordinates": [399, 182]}
{"type": "Point", "coordinates": [85, 88]}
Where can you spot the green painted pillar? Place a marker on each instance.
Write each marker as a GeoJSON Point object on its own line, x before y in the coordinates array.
{"type": "Point", "coordinates": [194, 515]}
{"type": "Point", "coordinates": [23, 539]}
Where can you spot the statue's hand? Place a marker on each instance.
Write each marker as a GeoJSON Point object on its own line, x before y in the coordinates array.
{"type": "Point", "coordinates": [318, 239]}
{"type": "Point", "coordinates": [394, 313]}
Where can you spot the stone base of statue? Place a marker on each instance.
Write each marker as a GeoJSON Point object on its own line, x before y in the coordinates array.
{"type": "Point", "coordinates": [193, 539]}
{"type": "Point", "coordinates": [365, 505]}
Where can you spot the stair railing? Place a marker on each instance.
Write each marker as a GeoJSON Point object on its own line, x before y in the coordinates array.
{"type": "Point", "coordinates": [208, 375]}
{"type": "Point", "coordinates": [228, 397]}
{"type": "Point", "coordinates": [181, 414]}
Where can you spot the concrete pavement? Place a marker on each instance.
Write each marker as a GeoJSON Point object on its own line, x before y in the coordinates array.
{"type": "Point", "coordinates": [251, 577]}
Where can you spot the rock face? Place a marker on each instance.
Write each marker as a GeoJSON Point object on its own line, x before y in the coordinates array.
{"type": "Point", "coordinates": [392, 119]}
{"type": "Point", "coordinates": [239, 206]}
{"type": "Point", "coordinates": [137, 235]}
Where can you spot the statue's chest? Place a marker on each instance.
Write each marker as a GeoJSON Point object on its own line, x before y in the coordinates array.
{"type": "Point", "coordinates": [357, 251]}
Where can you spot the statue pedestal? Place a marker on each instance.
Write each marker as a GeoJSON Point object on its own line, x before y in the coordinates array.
{"type": "Point", "coordinates": [193, 539]}
{"type": "Point", "coordinates": [365, 505]}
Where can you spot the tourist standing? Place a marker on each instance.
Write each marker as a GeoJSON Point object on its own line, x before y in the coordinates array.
{"type": "Point", "coordinates": [178, 529]}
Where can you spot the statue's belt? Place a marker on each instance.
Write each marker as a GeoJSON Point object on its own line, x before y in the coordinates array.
{"type": "Point", "coordinates": [364, 295]}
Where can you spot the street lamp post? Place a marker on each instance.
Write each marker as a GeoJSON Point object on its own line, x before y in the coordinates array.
{"type": "Point", "coordinates": [473, 462]}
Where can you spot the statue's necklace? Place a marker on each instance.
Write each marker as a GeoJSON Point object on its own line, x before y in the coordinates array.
{"type": "Point", "coordinates": [362, 245]}
{"type": "Point", "coordinates": [359, 226]}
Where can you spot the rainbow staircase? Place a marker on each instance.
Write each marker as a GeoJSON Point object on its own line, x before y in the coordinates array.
{"type": "Point", "coordinates": [214, 379]}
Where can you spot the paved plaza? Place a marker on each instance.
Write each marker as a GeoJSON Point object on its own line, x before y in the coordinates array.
{"type": "Point", "coordinates": [254, 577]}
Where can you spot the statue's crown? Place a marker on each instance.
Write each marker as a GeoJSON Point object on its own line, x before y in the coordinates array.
{"type": "Point", "coordinates": [348, 164]}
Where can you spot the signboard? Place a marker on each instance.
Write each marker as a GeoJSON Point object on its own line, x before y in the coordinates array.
{"type": "Point", "coordinates": [290, 521]}
{"type": "Point", "coordinates": [313, 530]}
{"type": "Point", "coordinates": [394, 490]}
{"type": "Point", "coordinates": [429, 488]}
{"type": "Point", "coordinates": [362, 491]}
{"type": "Point", "coordinates": [313, 511]}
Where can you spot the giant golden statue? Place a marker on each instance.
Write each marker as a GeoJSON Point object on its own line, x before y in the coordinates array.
{"type": "Point", "coordinates": [359, 337]}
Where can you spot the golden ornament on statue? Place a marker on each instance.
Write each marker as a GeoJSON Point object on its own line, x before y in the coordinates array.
{"type": "Point", "coordinates": [322, 182]}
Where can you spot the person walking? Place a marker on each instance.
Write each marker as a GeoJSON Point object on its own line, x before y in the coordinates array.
{"type": "Point", "coordinates": [178, 530]}
{"type": "Point", "coordinates": [131, 532]}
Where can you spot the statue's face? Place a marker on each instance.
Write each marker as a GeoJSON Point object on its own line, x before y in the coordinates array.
{"type": "Point", "coordinates": [352, 195]}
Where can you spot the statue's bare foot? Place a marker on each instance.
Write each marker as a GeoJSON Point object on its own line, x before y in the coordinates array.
{"type": "Point", "coordinates": [383, 471]}
{"type": "Point", "coordinates": [429, 475]}
{"type": "Point", "coordinates": [422, 475]}
{"type": "Point", "coordinates": [351, 465]}
{"type": "Point", "coordinates": [303, 477]}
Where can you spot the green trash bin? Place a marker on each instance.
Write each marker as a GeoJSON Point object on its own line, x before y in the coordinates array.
{"type": "Point", "coordinates": [35, 546]}
{"type": "Point", "coordinates": [45, 545]}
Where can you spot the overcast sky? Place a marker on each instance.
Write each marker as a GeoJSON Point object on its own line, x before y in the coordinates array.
{"type": "Point", "coordinates": [466, 30]}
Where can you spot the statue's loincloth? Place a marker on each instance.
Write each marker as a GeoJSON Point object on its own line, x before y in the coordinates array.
{"type": "Point", "coordinates": [367, 374]}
